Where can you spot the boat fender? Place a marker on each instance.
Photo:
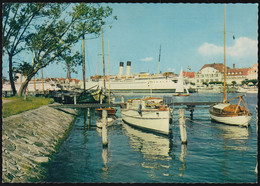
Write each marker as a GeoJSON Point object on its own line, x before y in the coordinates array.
{"type": "Point", "coordinates": [140, 110]}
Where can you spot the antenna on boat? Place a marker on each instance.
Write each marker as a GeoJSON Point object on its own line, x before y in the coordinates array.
{"type": "Point", "coordinates": [225, 69]}
{"type": "Point", "coordinates": [159, 60]}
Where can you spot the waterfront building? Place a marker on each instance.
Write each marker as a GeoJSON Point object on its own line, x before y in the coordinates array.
{"type": "Point", "coordinates": [253, 72]}
{"type": "Point", "coordinates": [215, 73]}
{"type": "Point", "coordinates": [237, 74]}
{"type": "Point", "coordinates": [189, 77]}
{"type": "Point", "coordinates": [210, 73]}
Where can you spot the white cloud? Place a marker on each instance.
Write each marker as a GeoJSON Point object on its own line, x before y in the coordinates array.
{"type": "Point", "coordinates": [208, 49]}
{"type": "Point", "coordinates": [243, 47]}
{"type": "Point", "coordinates": [170, 69]}
{"type": "Point", "coordinates": [147, 59]}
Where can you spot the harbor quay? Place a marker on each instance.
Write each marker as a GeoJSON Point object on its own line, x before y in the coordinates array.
{"type": "Point", "coordinates": [30, 139]}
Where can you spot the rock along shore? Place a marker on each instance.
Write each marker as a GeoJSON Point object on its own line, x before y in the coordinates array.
{"type": "Point", "coordinates": [30, 139]}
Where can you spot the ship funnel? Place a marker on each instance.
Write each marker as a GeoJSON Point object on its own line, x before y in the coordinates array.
{"type": "Point", "coordinates": [121, 68]}
{"type": "Point", "coordinates": [128, 68]}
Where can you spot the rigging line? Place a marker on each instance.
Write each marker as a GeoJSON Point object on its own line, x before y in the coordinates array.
{"type": "Point", "coordinates": [49, 76]}
{"type": "Point", "coordinates": [200, 123]}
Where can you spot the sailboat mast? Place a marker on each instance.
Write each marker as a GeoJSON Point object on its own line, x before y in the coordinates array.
{"type": "Point", "coordinates": [97, 65]}
{"type": "Point", "coordinates": [108, 73]}
{"type": "Point", "coordinates": [83, 53]}
{"type": "Point", "coordinates": [159, 60]}
{"type": "Point", "coordinates": [42, 82]}
{"type": "Point", "coordinates": [225, 69]}
{"type": "Point", "coordinates": [104, 78]}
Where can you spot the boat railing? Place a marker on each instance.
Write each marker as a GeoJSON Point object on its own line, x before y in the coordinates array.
{"type": "Point", "coordinates": [168, 100]}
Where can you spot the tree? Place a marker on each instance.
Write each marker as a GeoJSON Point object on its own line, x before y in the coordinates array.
{"type": "Point", "coordinates": [234, 83]}
{"type": "Point", "coordinates": [71, 61]}
{"type": "Point", "coordinates": [53, 37]}
{"type": "Point", "coordinates": [48, 43]}
{"type": "Point", "coordinates": [254, 81]}
{"type": "Point", "coordinates": [244, 82]}
{"type": "Point", "coordinates": [90, 24]}
{"type": "Point", "coordinates": [18, 19]}
{"type": "Point", "coordinates": [205, 83]}
{"type": "Point", "coordinates": [216, 82]}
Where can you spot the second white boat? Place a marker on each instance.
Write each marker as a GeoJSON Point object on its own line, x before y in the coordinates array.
{"type": "Point", "coordinates": [148, 113]}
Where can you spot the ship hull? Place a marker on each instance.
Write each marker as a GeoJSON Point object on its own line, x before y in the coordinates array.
{"type": "Point", "coordinates": [153, 120]}
{"type": "Point", "coordinates": [242, 121]}
{"type": "Point", "coordinates": [132, 85]}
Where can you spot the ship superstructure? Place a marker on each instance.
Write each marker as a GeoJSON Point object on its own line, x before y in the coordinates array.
{"type": "Point", "coordinates": [136, 83]}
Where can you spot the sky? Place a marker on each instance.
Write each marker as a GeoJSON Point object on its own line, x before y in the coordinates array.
{"type": "Point", "coordinates": [190, 35]}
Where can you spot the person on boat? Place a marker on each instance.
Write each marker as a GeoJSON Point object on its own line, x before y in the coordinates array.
{"type": "Point", "coordinates": [140, 109]}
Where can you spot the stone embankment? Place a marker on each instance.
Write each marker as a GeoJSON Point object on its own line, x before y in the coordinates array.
{"type": "Point", "coordinates": [30, 139]}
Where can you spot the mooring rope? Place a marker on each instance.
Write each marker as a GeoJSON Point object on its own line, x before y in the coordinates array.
{"type": "Point", "coordinates": [200, 123]}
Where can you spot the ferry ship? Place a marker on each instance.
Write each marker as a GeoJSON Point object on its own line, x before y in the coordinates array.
{"type": "Point", "coordinates": [137, 83]}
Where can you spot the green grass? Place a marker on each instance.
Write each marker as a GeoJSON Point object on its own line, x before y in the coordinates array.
{"type": "Point", "coordinates": [18, 104]}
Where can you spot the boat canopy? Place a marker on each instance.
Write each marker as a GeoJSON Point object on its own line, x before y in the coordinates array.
{"type": "Point", "coordinates": [221, 106]}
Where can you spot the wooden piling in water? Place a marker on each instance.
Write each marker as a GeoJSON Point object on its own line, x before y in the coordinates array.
{"type": "Point", "coordinates": [104, 128]}
{"type": "Point", "coordinates": [182, 126]}
{"type": "Point", "coordinates": [88, 112]}
{"type": "Point", "coordinates": [75, 99]}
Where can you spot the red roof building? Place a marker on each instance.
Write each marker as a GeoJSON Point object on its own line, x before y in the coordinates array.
{"type": "Point", "coordinates": [215, 71]}
{"type": "Point", "coordinates": [189, 74]}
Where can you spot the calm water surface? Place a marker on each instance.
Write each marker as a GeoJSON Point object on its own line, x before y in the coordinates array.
{"type": "Point", "coordinates": [215, 153]}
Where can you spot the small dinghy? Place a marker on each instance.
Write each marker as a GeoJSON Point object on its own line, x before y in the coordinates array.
{"type": "Point", "coordinates": [110, 121]}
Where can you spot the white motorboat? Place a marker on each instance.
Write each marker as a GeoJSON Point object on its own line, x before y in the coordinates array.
{"type": "Point", "coordinates": [148, 113]}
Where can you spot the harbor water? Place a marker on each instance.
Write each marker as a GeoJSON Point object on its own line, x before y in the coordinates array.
{"type": "Point", "coordinates": [215, 153]}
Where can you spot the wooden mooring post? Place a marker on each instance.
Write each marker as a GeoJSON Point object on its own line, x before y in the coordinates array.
{"type": "Point", "coordinates": [182, 126]}
{"type": "Point", "coordinates": [75, 99]}
{"type": "Point", "coordinates": [191, 109]}
{"type": "Point", "coordinates": [104, 128]}
{"type": "Point", "coordinates": [88, 112]}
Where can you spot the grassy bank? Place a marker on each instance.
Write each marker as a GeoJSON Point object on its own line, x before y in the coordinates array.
{"type": "Point", "coordinates": [16, 105]}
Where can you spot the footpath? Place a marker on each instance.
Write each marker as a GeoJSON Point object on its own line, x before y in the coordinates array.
{"type": "Point", "coordinates": [30, 139]}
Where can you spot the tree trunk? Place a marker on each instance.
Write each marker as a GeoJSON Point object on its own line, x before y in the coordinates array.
{"type": "Point", "coordinates": [24, 85]}
{"type": "Point", "coordinates": [68, 72]}
{"type": "Point", "coordinates": [11, 74]}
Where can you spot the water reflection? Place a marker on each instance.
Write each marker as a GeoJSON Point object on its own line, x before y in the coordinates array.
{"type": "Point", "coordinates": [234, 132]}
{"type": "Point", "coordinates": [235, 137]}
{"type": "Point", "coordinates": [182, 159]}
{"type": "Point", "coordinates": [86, 126]}
{"type": "Point", "coordinates": [154, 148]}
{"type": "Point", "coordinates": [105, 161]}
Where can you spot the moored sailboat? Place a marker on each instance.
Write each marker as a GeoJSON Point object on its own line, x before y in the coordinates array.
{"type": "Point", "coordinates": [181, 87]}
{"type": "Point", "coordinates": [226, 112]}
{"type": "Point", "coordinates": [110, 110]}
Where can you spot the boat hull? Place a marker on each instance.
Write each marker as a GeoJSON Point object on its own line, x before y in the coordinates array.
{"type": "Point", "coordinates": [153, 120]}
{"type": "Point", "coordinates": [110, 111]}
{"type": "Point", "coordinates": [100, 124]}
{"type": "Point", "coordinates": [242, 121]}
